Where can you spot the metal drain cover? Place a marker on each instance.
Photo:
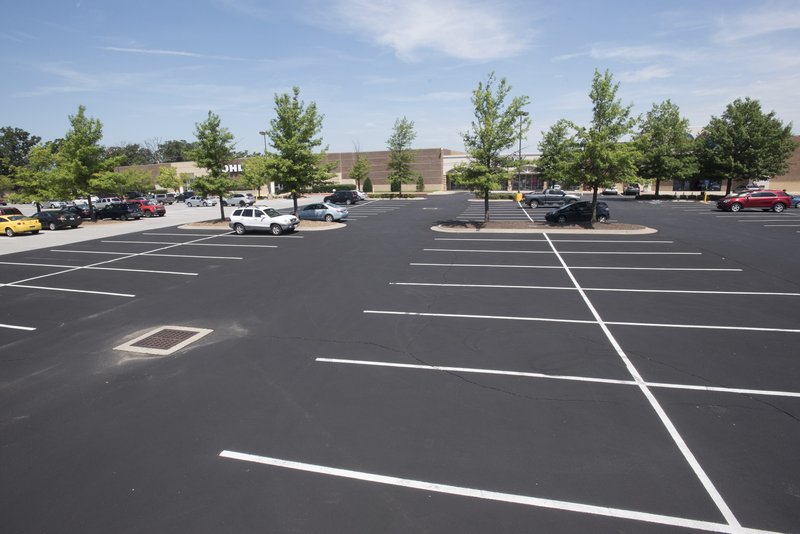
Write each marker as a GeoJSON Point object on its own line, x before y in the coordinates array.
{"type": "Point", "coordinates": [165, 340]}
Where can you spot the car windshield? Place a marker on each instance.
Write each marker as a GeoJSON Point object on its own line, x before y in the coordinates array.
{"type": "Point", "coordinates": [272, 212]}
{"type": "Point", "coordinates": [16, 217]}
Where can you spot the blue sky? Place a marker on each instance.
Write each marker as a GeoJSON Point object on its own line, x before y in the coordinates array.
{"type": "Point", "coordinates": [152, 70]}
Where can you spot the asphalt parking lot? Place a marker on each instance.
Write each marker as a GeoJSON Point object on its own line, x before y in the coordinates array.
{"type": "Point", "coordinates": [385, 377]}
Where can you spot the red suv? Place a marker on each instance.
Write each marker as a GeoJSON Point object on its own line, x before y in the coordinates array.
{"type": "Point", "coordinates": [149, 208]}
{"type": "Point", "coordinates": [764, 199]}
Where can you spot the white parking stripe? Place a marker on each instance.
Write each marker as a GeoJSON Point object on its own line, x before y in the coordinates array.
{"type": "Point", "coordinates": [189, 244]}
{"type": "Point", "coordinates": [149, 254]}
{"type": "Point", "coordinates": [609, 289]}
{"type": "Point", "coordinates": [594, 253]}
{"type": "Point", "coordinates": [15, 327]}
{"type": "Point", "coordinates": [69, 290]}
{"type": "Point", "coordinates": [525, 374]}
{"type": "Point", "coordinates": [665, 420]}
{"type": "Point", "coordinates": [583, 268]}
{"type": "Point", "coordinates": [581, 321]}
{"type": "Point", "coordinates": [91, 268]}
{"type": "Point", "coordinates": [538, 502]}
{"type": "Point", "coordinates": [554, 240]}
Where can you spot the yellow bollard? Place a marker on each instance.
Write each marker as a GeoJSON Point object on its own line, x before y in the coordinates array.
{"type": "Point", "coordinates": [705, 197]}
{"type": "Point", "coordinates": [518, 197]}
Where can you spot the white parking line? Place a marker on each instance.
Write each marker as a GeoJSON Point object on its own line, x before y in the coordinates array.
{"type": "Point", "coordinates": [188, 244]}
{"type": "Point", "coordinates": [525, 374]}
{"type": "Point", "coordinates": [582, 321]}
{"type": "Point", "coordinates": [781, 225]}
{"type": "Point", "coordinates": [15, 327]}
{"type": "Point", "coordinates": [538, 502]}
{"type": "Point", "coordinates": [69, 290]}
{"type": "Point", "coordinates": [90, 268]}
{"type": "Point", "coordinates": [704, 479]}
{"type": "Point", "coordinates": [554, 240]}
{"type": "Point", "coordinates": [623, 253]}
{"type": "Point", "coordinates": [149, 254]}
{"type": "Point", "coordinates": [583, 268]}
{"type": "Point", "coordinates": [609, 289]}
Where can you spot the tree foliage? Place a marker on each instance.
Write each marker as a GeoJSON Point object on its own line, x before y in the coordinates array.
{"type": "Point", "coordinates": [214, 151]}
{"type": "Point", "coordinates": [40, 178]}
{"type": "Point", "coordinates": [360, 171]}
{"type": "Point", "coordinates": [495, 128]}
{"type": "Point", "coordinates": [129, 154]}
{"type": "Point", "coordinates": [297, 161]}
{"type": "Point", "coordinates": [665, 146]}
{"type": "Point", "coordinates": [15, 146]}
{"type": "Point", "coordinates": [255, 174]}
{"type": "Point", "coordinates": [559, 154]}
{"type": "Point", "coordinates": [117, 183]}
{"type": "Point", "coordinates": [603, 158]}
{"type": "Point", "coordinates": [401, 156]}
{"type": "Point", "coordinates": [168, 178]}
{"type": "Point", "coordinates": [745, 143]}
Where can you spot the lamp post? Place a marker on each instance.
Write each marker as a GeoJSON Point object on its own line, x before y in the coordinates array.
{"type": "Point", "coordinates": [519, 166]}
{"type": "Point", "coordinates": [264, 134]}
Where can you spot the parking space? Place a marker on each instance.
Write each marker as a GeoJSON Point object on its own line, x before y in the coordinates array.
{"type": "Point", "coordinates": [385, 377]}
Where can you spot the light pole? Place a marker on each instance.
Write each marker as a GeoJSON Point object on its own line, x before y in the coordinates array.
{"type": "Point", "coordinates": [264, 134]}
{"type": "Point", "coordinates": [519, 166]}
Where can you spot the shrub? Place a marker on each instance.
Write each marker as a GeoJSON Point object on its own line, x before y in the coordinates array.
{"type": "Point", "coordinates": [368, 185]}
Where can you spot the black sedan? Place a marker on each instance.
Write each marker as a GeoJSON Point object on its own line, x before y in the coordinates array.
{"type": "Point", "coordinates": [578, 212]}
{"type": "Point", "coordinates": [57, 219]}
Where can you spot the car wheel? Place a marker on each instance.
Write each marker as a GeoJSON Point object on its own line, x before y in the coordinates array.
{"type": "Point", "coordinates": [241, 204]}
{"type": "Point", "coordinates": [239, 229]}
{"type": "Point", "coordinates": [736, 207]}
{"type": "Point", "coordinates": [52, 226]}
{"type": "Point", "coordinates": [329, 218]}
{"type": "Point", "coordinates": [224, 204]}
{"type": "Point", "coordinates": [188, 204]}
{"type": "Point", "coordinates": [276, 229]}
{"type": "Point", "coordinates": [533, 204]}
{"type": "Point", "coordinates": [205, 204]}
{"type": "Point", "coordinates": [561, 219]}
{"type": "Point", "coordinates": [34, 232]}
{"type": "Point", "coordinates": [147, 214]}
{"type": "Point", "coordinates": [602, 218]}
{"type": "Point", "coordinates": [777, 208]}
{"type": "Point", "coordinates": [123, 217]}
{"type": "Point", "coordinates": [9, 232]}
{"type": "Point", "coordinates": [348, 202]}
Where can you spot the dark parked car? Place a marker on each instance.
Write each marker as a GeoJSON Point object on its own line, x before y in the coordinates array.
{"type": "Point", "coordinates": [549, 197]}
{"type": "Point", "coordinates": [763, 199]}
{"type": "Point", "coordinates": [578, 212]}
{"type": "Point", "coordinates": [57, 219]}
{"type": "Point", "coordinates": [632, 190]}
{"type": "Point", "coordinates": [343, 197]}
{"type": "Point", "coordinates": [10, 210]}
{"type": "Point", "coordinates": [81, 210]}
{"type": "Point", "coordinates": [122, 211]}
{"type": "Point", "coordinates": [181, 197]}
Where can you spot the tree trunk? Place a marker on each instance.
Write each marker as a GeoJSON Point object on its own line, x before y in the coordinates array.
{"type": "Point", "coordinates": [294, 202]}
{"type": "Point", "coordinates": [658, 185]}
{"type": "Point", "coordinates": [221, 209]}
{"type": "Point", "coordinates": [486, 206]}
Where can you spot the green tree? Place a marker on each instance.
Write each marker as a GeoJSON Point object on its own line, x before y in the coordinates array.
{"type": "Point", "coordinates": [420, 183]}
{"type": "Point", "coordinates": [360, 171]}
{"type": "Point", "coordinates": [603, 158]}
{"type": "Point", "coordinates": [129, 154]}
{"type": "Point", "coordinates": [214, 151]}
{"type": "Point", "coordinates": [745, 143]}
{"type": "Point", "coordinates": [665, 145]}
{"type": "Point", "coordinates": [559, 154]}
{"type": "Point", "coordinates": [168, 178]}
{"type": "Point", "coordinates": [172, 151]}
{"type": "Point", "coordinates": [40, 178]}
{"type": "Point", "coordinates": [255, 174]}
{"type": "Point", "coordinates": [297, 161]}
{"type": "Point", "coordinates": [80, 156]}
{"type": "Point", "coordinates": [495, 128]}
{"type": "Point", "coordinates": [367, 185]}
{"type": "Point", "coordinates": [15, 145]}
{"type": "Point", "coordinates": [401, 157]}
{"type": "Point", "coordinates": [117, 183]}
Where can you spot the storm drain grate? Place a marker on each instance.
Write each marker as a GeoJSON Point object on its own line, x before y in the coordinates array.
{"type": "Point", "coordinates": [164, 340]}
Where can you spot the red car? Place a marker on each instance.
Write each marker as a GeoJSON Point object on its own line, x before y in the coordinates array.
{"type": "Point", "coordinates": [149, 208]}
{"type": "Point", "coordinates": [764, 199]}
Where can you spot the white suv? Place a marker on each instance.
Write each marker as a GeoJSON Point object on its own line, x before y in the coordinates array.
{"type": "Point", "coordinates": [239, 199]}
{"type": "Point", "coordinates": [262, 218]}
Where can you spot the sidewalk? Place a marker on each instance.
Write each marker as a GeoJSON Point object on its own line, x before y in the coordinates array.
{"type": "Point", "coordinates": [177, 214]}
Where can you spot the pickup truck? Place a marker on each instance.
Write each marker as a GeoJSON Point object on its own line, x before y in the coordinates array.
{"type": "Point", "coordinates": [549, 197]}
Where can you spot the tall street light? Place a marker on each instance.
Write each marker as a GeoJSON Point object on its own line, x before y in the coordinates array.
{"type": "Point", "coordinates": [519, 166]}
{"type": "Point", "coordinates": [264, 134]}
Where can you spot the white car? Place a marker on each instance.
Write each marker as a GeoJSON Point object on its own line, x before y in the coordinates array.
{"type": "Point", "coordinates": [239, 199]}
{"type": "Point", "coordinates": [200, 201]}
{"type": "Point", "coordinates": [362, 195]}
{"type": "Point", "coordinates": [263, 219]}
{"type": "Point", "coordinates": [107, 201]}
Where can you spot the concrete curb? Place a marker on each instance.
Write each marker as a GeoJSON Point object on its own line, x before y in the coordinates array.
{"type": "Point", "coordinates": [549, 230]}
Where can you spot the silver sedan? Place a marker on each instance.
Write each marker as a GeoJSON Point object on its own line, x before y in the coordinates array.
{"type": "Point", "coordinates": [322, 211]}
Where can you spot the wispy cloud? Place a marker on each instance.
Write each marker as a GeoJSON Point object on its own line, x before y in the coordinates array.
{"type": "Point", "coordinates": [439, 96]}
{"type": "Point", "coordinates": [179, 53]}
{"type": "Point", "coordinates": [463, 29]}
{"type": "Point", "coordinates": [758, 22]}
{"type": "Point", "coordinates": [652, 72]}
{"type": "Point", "coordinates": [70, 80]}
